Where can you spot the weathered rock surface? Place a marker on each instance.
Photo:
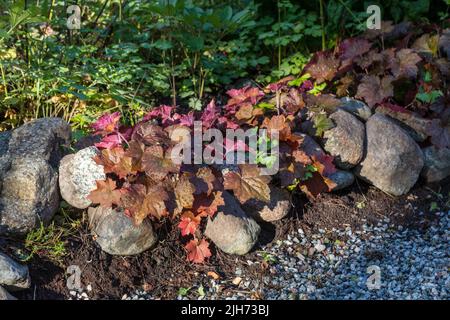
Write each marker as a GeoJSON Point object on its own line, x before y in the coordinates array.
{"type": "Point", "coordinates": [345, 142]}
{"type": "Point", "coordinates": [444, 41]}
{"type": "Point", "coordinates": [278, 207]}
{"type": "Point", "coordinates": [356, 107]}
{"type": "Point", "coordinates": [13, 275]}
{"type": "Point", "coordinates": [4, 295]}
{"type": "Point", "coordinates": [5, 136]}
{"type": "Point", "coordinates": [412, 123]}
{"type": "Point", "coordinates": [29, 195]}
{"type": "Point", "coordinates": [231, 229]}
{"type": "Point", "coordinates": [77, 175]}
{"type": "Point", "coordinates": [393, 160]}
{"type": "Point", "coordinates": [437, 164]}
{"type": "Point", "coordinates": [4, 159]}
{"type": "Point", "coordinates": [29, 159]}
{"type": "Point", "coordinates": [117, 235]}
{"type": "Point", "coordinates": [310, 146]}
{"type": "Point", "coordinates": [40, 139]}
{"type": "Point", "coordinates": [342, 178]}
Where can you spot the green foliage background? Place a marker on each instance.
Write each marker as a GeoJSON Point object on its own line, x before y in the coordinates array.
{"type": "Point", "coordinates": [131, 55]}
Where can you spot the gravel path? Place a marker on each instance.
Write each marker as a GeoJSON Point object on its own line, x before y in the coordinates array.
{"type": "Point", "coordinates": [333, 264]}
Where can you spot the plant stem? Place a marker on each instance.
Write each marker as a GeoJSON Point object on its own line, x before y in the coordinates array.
{"type": "Point", "coordinates": [4, 80]}
{"type": "Point", "coordinates": [174, 88]}
{"type": "Point", "coordinates": [279, 34]}
{"type": "Point", "coordinates": [322, 24]}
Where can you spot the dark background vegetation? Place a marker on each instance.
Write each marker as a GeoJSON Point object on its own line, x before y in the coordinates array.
{"type": "Point", "coordinates": [131, 55]}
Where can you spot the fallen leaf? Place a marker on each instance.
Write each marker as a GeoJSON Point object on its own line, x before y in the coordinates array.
{"type": "Point", "coordinates": [213, 275]}
{"type": "Point", "coordinates": [236, 281]}
{"type": "Point", "coordinates": [198, 251]}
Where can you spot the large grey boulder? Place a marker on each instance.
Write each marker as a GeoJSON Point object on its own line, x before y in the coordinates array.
{"type": "Point", "coordinates": [40, 139]}
{"type": "Point", "coordinates": [77, 175]}
{"type": "Point", "coordinates": [117, 235]}
{"type": "Point", "coordinates": [393, 160]}
{"type": "Point", "coordinates": [412, 123]}
{"type": "Point", "coordinates": [355, 107]}
{"type": "Point", "coordinates": [278, 207]}
{"type": "Point", "coordinates": [29, 159]}
{"type": "Point", "coordinates": [437, 164]}
{"type": "Point", "coordinates": [5, 162]}
{"type": "Point", "coordinates": [4, 295]}
{"type": "Point", "coordinates": [231, 229]}
{"type": "Point", "coordinates": [29, 195]}
{"type": "Point", "coordinates": [13, 275]}
{"type": "Point", "coordinates": [345, 142]}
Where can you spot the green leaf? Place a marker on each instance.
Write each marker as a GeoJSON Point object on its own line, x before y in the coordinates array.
{"type": "Point", "coordinates": [201, 291]}
{"type": "Point", "coordinates": [194, 43]}
{"type": "Point", "coordinates": [322, 123]}
{"type": "Point", "coordinates": [183, 291]}
{"type": "Point", "coordinates": [298, 82]}
{"type": "Point", "coordinates": [434, 206]}
{"type": "Point", "coordinates": [265, 106]}
{"type": "Point", "coordinates": [318, 88]}
{"type": "Point", "coordinates": [162, 44]}
{"type": "Point", "coordinates": [428, 97]}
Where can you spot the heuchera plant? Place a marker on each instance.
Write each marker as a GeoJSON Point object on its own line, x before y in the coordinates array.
{"type": "Point", "coordinates": [411, 76]}
{"type": "Point", "coordinates": [143, 180]}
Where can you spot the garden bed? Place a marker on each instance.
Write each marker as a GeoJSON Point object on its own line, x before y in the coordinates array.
{"type": "Point", "coordinates": [164, 271]}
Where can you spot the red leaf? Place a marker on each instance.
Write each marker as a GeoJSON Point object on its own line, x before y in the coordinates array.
{"type": "Point", "coordinates": [374, 90]}
{"type": "Point", "coordinates": [245, 95]}
{"type": "Point", "coordinates": [227, 123]}
{"type": "Point", "coordinates": [316, 185]}
{"type": "Point", "coordinates": [282, 83]}
{"type": "Point", "coordinates": [324, 164]}
{"type": "Point", "coordinates": [106, 193]}
{"type": "Point", "coordinates": [189, 223]}
{"type": "Point", "coordinates": [248, 183]}
{"type": "Point", "coordinates": [158, 165]}
{"type": "Point", "coordinates": [405, 64]}
{"type": "Point", "coordinates": [141, 202]}
{"type": "Point", "coordinates": [115, 161]}
{"type": "Point", "coordinates": [162, 112]}
{"type": "Point", "coordinates": [210, 115]}
{"type": "Point", "coordinates": [198, 251]}
{"type": "Point", "coordinates": [351, 48]}
{"type": "Point", "coordinates": [187, 119]}
{"type": "Point", "coordinates": [150, 134]}
{"type": "Point", "coordinates": [205, 206]}
{"type": "Point", "coordinates": [107, 123]}
{"type": "Point", "coordinates": [322, 67]}
{"type": "Point", "coordinates": [109, 142]}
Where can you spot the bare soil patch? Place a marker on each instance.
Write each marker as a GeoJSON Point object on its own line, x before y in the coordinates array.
{"type": "Point", "coordinates": [164, 269]}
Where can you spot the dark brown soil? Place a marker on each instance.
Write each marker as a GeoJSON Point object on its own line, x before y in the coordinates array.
{"type": "Point", "coordinates": [163, 270]}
